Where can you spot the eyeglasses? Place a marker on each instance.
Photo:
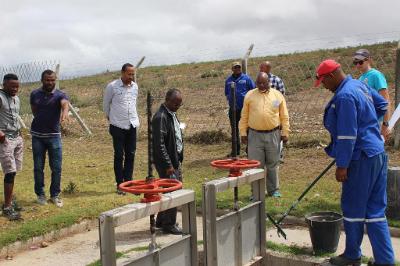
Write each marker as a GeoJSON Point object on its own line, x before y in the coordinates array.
{"type": "Point", "coordinates": [358, 62]}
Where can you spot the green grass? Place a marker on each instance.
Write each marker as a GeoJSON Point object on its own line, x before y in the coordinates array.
{"type": "Point", "coordinates": [296, 250]}
{"type": "Point", "coordinates": [87, 161]}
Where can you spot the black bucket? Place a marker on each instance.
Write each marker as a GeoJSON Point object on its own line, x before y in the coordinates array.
{"type": "Point", "coordinates": [324, 230]}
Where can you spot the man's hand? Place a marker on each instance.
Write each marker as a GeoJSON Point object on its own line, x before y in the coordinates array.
{"type": "Point", "coordinates": [170, 171]}
{"type": "Point", "coordinates": [341, 174]}
{"type": "Point", "coordinates": [2, 137]}
{"type": "Point", "coordinates": [385, 132]}
{"type": "Point", "coordinates": [243, 139]}
{"type": "Point", "coordinates": [64, 117]}
{"type": "Point", "coordinates": [284, 139]}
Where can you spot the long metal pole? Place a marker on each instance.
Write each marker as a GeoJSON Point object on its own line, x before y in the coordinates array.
{"type": "Point", "coordinates": [150, 177]}
{"type": "Point", "coordinates": [234, 142]}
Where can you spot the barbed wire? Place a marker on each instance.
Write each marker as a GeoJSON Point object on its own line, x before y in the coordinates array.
{"type": "Point", "coordinates": [205, 105]}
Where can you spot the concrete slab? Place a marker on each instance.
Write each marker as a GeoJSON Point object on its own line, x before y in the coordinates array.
{"type": "Point", "coordinates": [83, 248]}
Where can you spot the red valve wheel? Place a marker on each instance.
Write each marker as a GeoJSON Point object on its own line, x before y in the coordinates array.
{"type": "Point", "coordinates": [235, 165]}
{"type": "Point", "coordinates": [152, 188]}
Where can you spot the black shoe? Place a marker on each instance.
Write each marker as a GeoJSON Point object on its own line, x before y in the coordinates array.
{"type": "Point", "coordinates": [173, 230]}
{"type": "Point", "coordinates": [158, 225]}
{"type": "Point", "coordinates": [341, 260]}
{"type": "Point", "coordinates": [11, 214]}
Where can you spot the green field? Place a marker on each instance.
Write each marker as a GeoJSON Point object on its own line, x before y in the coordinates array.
{"type": "Point", "coordinates": [87, 167]}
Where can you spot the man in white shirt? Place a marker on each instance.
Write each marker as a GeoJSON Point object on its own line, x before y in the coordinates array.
{"type": "Point", "coordinates": [119, 105]}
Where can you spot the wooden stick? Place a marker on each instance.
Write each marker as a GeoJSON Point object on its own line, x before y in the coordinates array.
{"type": "Point", "coordinates": [73, 111]}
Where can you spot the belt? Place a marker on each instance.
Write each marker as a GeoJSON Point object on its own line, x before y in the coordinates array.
{"type": "Point", "coordinates": [266, 131]}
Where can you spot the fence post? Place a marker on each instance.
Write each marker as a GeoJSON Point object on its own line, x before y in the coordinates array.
{"type": "Point", "coordinates": [245, 57]}
{"type": "Point", "coordinates": [137, 67]}
{"type": "Point", "coordinates": [71, 108]}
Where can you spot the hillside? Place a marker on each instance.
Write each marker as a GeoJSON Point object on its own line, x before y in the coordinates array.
{"type": "Point", "coordinates": [88, 182]}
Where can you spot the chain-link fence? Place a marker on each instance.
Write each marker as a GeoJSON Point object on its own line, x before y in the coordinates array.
{"type": "Point", "coordinates": [202, 85]}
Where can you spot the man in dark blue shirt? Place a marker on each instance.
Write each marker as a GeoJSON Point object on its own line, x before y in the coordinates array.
{"type": "Point", "coordinates": [243, 83]}
{"type": "Point", "coordinates": [49, 108]}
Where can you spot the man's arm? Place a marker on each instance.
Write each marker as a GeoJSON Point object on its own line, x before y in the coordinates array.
{"type": "Point", "coordinates": [107, 98]}
{"type": "Point", "coordinates": [385, 131]}
{"type": "Point", "coordinates": [159, 146]}
{"type": "Point", "coordinates": [33, 106]}
{"type": "Point", "coordinates": [284, 120]}
{"type": "Point", "coordinates": [346, 128]}
{"type": "Point", "coordinates": [281, 86]}
{"type": "Point", "coordinates": [64, 110]}
{"type": "Point", "coordinates": [244, 119]}
{"type": "Point", "coordinates": [2, 136]}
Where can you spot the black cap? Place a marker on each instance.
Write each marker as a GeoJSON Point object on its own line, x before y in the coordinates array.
{"type": "Point", "coordinates": [361, 54]}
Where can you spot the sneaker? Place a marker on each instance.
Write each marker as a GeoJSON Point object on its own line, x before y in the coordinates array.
{"type": "Point", "coordinates": [57, 201]}
{"type": "Point", "coordinates": [120, 192]}
{"type": "Point", "coordinates": [341, 260]}
{"type": "Point", "coordinates": [276, 194]}
{"type": "Point", "coordinates": [42, 200]}
{"type": "Point", "coordinates": [15, 205]}
{"type": "Point", "coordinates": [11, 214]}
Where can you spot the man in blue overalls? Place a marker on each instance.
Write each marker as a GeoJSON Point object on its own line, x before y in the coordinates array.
{"type": "Point", "coordinates": [351, 117]}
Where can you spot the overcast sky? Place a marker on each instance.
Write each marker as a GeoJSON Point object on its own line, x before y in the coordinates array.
{"type": "Point", "coordinates": [89, 34]}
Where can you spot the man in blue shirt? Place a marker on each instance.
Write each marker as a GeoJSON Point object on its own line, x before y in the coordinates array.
{"type": "Point", "coordinates": [351, 117]}
{"type": "Point", "coordinates": [49, 108]}
{"type": "Point", "coordinates": [243, 83]}
{"type": "Point", "coordinates": [376, 80]}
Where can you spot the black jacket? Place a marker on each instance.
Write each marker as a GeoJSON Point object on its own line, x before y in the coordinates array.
{"type": "Point", "coordinates": [165, 153]}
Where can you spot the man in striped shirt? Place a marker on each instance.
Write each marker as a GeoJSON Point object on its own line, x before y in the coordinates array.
{"type": "Point", "coordinates": [275, 81]}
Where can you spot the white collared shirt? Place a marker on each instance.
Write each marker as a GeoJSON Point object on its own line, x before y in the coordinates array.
{"type": "Point", "coordinates": [119, 104]}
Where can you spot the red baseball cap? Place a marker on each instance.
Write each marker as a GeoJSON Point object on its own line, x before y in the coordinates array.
{"type": "Point", "coordinates": [327, 66]}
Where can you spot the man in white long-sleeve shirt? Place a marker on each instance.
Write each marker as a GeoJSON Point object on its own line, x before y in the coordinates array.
{"type": "Point", "coordinates": [119, 105]}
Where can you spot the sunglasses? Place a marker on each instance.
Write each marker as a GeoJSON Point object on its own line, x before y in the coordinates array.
{"type": "Point", "coordinates": [358, 62]}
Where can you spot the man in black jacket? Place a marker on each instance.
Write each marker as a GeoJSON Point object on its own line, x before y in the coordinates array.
{"type": "Point", "coordinates": [168, 152]}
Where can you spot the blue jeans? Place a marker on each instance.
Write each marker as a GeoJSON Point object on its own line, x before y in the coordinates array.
{"type": "Point", "coordinates": [54, 148]}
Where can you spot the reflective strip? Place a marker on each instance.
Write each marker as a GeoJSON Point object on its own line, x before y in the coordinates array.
{"type": "Point", "coordinates": [373, 220]}
{"type": "Point", "coordinates": [346, 137]}
{"type": "Point", "coordinates": [333, 105]}
{"type": "Point", "coordinates": [352, 220]}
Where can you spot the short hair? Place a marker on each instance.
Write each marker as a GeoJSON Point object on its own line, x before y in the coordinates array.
{"type": "Point", "coordinates": [9, 76]}
{"type": "Point", "coordinates": [171, 93]}
{"type": "Point", "coordinates": [47, 72]}
{"type": "Point", "coordinates": [125, 66]}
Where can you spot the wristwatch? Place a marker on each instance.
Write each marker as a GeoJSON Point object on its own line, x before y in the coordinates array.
{"type": "Point", "coordinates": [385, 123]}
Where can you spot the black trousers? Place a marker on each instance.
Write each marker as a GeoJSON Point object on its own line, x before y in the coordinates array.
{"type": "Point", "coordinates": [167, 218]}
{"type": "Point", "coordinates": [236, 122]}
{"type": "Point", "coordinates": [124, 142]}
